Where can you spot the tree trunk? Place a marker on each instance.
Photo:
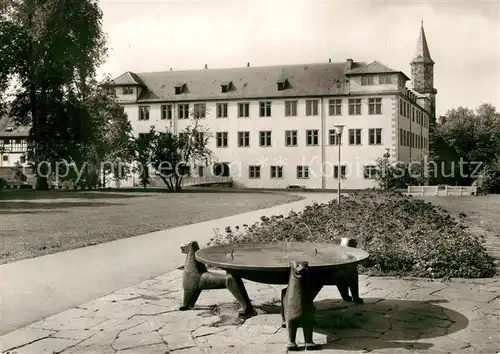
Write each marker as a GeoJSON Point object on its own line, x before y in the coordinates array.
{"type": "Point", "coordinates": [42, 184]}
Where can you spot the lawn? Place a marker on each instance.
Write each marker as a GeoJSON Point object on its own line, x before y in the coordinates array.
{"type": "Point", "coordinates": [482, 211]}
{"type": "Point", "coordinates": [38, 223]}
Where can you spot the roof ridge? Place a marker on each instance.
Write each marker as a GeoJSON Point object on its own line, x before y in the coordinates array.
{"type": "Point", "coordinates": [242, 68]}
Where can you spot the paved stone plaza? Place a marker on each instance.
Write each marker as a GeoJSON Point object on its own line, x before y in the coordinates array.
{"type": "Point", "coordinates": [399, 316]}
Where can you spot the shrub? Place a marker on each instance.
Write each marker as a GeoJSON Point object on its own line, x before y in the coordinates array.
{"type": "Point", "coordinates": [404, 236]}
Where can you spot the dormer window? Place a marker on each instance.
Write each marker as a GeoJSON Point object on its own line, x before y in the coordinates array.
{"type": "Point", "coordinates": [226, 86]}
{"type": "Point", "coordinates": [336, 83]}
{"type": "Point", "coordinates": [178, 88]}
{"type": "Point", "coordinates": [367, 80]}
{"type": "Point", "coordinates": [127, 90]}
{"type": "Point", "coordinates": [282, 84]}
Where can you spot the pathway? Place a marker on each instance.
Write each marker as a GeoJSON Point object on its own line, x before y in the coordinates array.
{"type": "Point", "coordinates": [398, 316]}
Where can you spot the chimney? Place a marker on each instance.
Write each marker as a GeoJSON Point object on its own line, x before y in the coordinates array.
{"type": "Point", "coordinates": [348, 64]}
{"type": "Point", "coordinates": [248, 64]}
{"type": "Point", "coordinates": [206, 66]}
{"type": "Point", "coordinates": [330, 60]}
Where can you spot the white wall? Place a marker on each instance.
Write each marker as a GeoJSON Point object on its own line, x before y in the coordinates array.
{"type": "Point", "coordinates": [315, 157]}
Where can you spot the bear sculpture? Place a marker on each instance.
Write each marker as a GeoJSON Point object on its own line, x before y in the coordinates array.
{"type": "Point", "coordinates": [297, 306]}
{"type": "Point", "coordinates": [196, 278]}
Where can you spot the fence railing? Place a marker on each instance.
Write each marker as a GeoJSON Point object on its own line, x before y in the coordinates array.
{"type": "Point", "coordinates": [442, 190]}
{"type": "Point", "coordinates": [192, 181]}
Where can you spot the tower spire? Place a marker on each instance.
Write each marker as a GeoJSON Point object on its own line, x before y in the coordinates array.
{"type": "Point", "coordinates": [422, 71]}
{"type": "Point", "coordinates": [422, 53]}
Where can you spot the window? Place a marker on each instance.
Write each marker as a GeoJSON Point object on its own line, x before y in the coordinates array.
{"type": "Point", "coordinates": [184, 111]}
{"type": "Point", "coordinates": [143, 112]}
{"type": "Point", "coordinates": [221, 110]}
{"type": "Point", "coordinates": [291, 138]}
{"type": "Point", "coordinates": [370, 172]}
{"type": "Point", "coordinates": [201, 171]}
{"type": "Point", "coordinates": [282, 84]}
{"type": "Point", "coordinates": [413, 113]}
{"type": "Point", "coordinates": [375, 136]}
{"type": "Point", "coordinates": [401, 137]}
{"type": "Point", "coordinates": [225, 87]}
{"type": "Point", "coordinates": [22, 159]}
{"type": "Point", "coordinates": [354, 106]}
{"type": "Point", "coordinates": [343, 170]}
{"type": "Point", "coordinates": [265, 109]}
{"type": "Point", "coordinates": [221, 139]}
{"type": "Point", "coordinates": [311, 107]}
{"type": "Point", "coordinates": [5, 157]}
{"type": "Point", "coordinates": [199, 110]}
{"type": "Point", "coordinates": [128, 90]}
{"type": "Point", "coordinates": [302, 172]}
{"type": "Point", "coordinates": [290, 108]}
{"type": "Point", "coordinates": [200, 137]}
{"type": "Point", "coordinates": [333, 137]}
{"type": "Point", "coordinates": [254, 172]}
{"type": "Point", "coordinates": [354, 136]}
{"type": "Point", "coordinates": [404, 109]}
{"type": "Point", "coordinates": [401, 107]}
{"type": "Point", "coordinates": [243, 139]}
{"type": "Point", "coordinates": [166, 111]}
{"type": "Point", "coordinates": [276, 171]}
{"type": "Point", "coordinates": [265, 138]}
{"type": "Point", "coordinates": [335, 107]}
{"type": "Point", "coordinates": [374, 106]}
{"type": "Point", "coordinates": [18, 145]}
{"type": "Point", "coordinates": [385, 79]}
{"type": "Point", "coordinates": [178, 88]}
{"type": "Point", "coordinates": [366, 80]}
{"type": "Point", "coordinates": [312, 137]}
{"type": "Point", "coordinates": [243, 110]}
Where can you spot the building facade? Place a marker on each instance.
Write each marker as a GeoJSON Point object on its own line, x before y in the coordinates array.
{"type": "Point", "coordinates": [13, 147]}
{"type": "Point", "coordinates": [274, 127]}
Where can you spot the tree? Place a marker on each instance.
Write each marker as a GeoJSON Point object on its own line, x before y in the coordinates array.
{"type": "Point", "coordinates": [464, 140]}
{"type": "Point", "coordinates": [143, 147]}
{"type": "Point", "coordinates": [172, 155]}
{"type": "Point", "coordinates": [400, 175]}
{"type": "Point", "coordinates": [113, 148]}
{"type": "Point", "coordinates": [49, 52]}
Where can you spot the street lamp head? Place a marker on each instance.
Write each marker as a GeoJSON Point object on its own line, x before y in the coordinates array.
{"type": "Point", "coordinates": [339, 128]}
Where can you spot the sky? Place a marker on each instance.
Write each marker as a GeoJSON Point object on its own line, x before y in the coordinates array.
{"type": "Point", "coordinates": [463, 38]}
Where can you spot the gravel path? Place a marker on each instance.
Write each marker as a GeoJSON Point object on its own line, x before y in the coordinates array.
{"type": "Point", "coordinates": [39, 223]}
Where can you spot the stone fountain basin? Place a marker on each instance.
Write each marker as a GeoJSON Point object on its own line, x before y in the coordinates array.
{"type": "Point", "coordinates": [268, 263]}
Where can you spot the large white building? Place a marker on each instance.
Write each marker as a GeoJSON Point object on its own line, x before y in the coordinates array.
{"type": "Point", "coordinates": [273, 127]}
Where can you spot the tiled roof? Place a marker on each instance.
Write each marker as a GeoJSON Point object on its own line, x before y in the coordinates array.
{"type": "Point", "coordinates": [374, 67]}
{"type": "Point", "coordinates": [247, 82]}
{"type": "Point", "coordinates": [8, 128]}
{"type": "Point", "coordinates": [129, 78]}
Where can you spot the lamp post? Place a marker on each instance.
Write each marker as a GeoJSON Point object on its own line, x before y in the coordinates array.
{"type": "Point", "coordinates": [338, 130]}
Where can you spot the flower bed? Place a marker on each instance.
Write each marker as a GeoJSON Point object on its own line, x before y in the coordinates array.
{"type": "Point", "coordinates": [404, 236]}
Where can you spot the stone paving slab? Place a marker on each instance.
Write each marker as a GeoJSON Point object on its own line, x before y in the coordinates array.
{"type": "Point", "coordinates": [398, 316]}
